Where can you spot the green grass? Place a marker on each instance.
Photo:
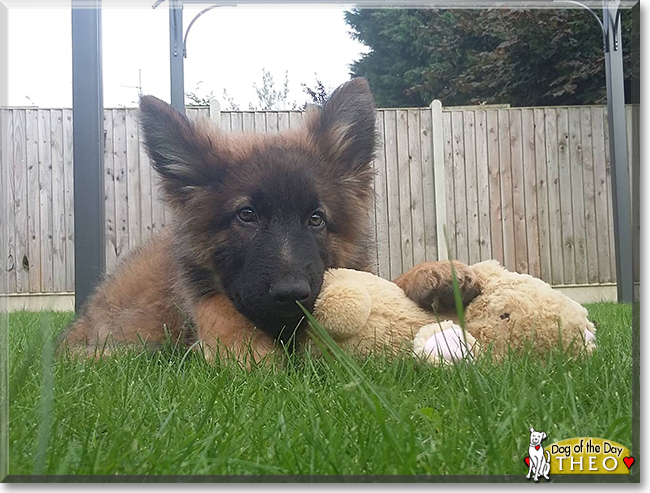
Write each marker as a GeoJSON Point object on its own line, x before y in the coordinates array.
{"type": "Point", "coordinates": [172, 413]}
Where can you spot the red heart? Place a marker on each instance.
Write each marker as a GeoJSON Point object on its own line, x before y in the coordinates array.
{"type": "Point", "coordinates": [628, 461]}
{"type": "Point", "coordinates": [536, 447]}
{"type": "Point", "coordinates": [527, 460]}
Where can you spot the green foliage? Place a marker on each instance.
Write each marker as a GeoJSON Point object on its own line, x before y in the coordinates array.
{"type": "Point", "coordinates": [317, 94]}
{"type": "Point", "coordinates": [270, 98]}
{"type": "Point", "coordinates": [197, 99]}
{"type": "Point", "coordinates": [521, 57]}
{"type": "Point", "coordinates": [231, 105]}
{"type": "Point", "coordinates": [169, 412]}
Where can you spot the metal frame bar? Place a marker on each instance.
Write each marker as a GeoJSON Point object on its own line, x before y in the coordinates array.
{"type": "Point", "coordinates": [88, 148]}
{"type": "Point", "coordinates": [176, 51]}
{"type": "Point", "coordinates": [4, 54]}
{"type": "Point", "coordinates": [531, 4]}
{"type": "Point", "coordinates": [618, 151]}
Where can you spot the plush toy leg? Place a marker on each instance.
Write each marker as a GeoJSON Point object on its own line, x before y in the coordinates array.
{"type": "Point", "coordinates": [430, 284]}
{"type": "Point", "coordinates": [590, 340]}
{"type": "Point", "coordinates": [443, 342]}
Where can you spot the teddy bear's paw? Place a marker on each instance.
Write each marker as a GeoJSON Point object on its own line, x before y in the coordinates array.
{"type": "Point", "coordinates": [447, 345]}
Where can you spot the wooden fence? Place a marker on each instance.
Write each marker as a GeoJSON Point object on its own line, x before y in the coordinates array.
{"type": "Point", "coordinates": [527, 186]}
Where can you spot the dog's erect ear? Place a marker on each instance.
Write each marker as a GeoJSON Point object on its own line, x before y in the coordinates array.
{"type": "Point", "coordinates": [532, 430]}
{"type": "Point", "coordinates": [180, 151]}
{"type": "Point", "coordinates": [344, 128]}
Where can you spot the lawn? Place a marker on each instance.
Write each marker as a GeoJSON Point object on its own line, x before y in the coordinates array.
{"type": "Point", "coordinates": [170, 412]}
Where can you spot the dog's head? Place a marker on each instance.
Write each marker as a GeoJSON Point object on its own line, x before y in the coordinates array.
{"type": "Point", "coordinates": [261, 216]}
{"type": "Point", "coordinates": [536, 437]}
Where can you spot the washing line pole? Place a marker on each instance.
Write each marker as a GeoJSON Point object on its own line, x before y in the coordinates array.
{"type": "Point", "coordinates": [612, 19]}
{"type": "Point", "coordinates": [176, 55]}
{"type": "Point", "coordinates": [88, 148]}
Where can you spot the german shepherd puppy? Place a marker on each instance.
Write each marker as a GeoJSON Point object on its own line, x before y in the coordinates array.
{"type": "Point", "coordinates": [257, 219]}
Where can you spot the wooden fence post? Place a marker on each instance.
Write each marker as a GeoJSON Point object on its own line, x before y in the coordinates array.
{"type": "Point", "coordinates": [439, 178]}
{"type": "Point", "coordinates": [215, 111]}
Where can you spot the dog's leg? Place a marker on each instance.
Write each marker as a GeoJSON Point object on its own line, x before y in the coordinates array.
{"type": "Point", "coordinates": [430, 284]}
{"type": "Point", "coordinates": [530, 467]}
{"type": "Point", "coordinates": [538, 466]}
{"type": "Point", "coordinates": [223, 331]}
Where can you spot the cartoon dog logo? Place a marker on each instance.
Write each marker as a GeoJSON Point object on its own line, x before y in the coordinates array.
{"type": "Point", "coordinates": [538, 465]}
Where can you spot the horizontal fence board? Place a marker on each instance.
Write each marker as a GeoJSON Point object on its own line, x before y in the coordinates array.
{"type": "Point", "coordinates": [530, 187]}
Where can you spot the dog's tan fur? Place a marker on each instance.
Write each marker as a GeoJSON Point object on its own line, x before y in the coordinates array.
{"type": "Point", "coordinates": [135, 302]}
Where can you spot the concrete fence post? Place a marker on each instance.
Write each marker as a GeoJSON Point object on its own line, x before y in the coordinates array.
{"type": "Point", "coordinates": [440, 184]}
{"type": "Point", "coordinates": [215, 111]}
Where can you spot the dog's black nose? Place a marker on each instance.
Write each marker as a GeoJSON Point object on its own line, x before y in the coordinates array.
{"type": "Point", "coordinates": [290, 290]}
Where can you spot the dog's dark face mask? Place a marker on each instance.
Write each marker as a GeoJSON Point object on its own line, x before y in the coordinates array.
{"type": "Point", "coordinates": [260, 217]}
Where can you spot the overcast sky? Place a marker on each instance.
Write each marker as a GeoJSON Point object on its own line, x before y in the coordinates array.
{"type": "Point", "coordinates": [227, 48]}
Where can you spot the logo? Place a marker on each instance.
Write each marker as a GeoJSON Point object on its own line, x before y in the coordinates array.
{"type": "Point", "coordinates": [582, 455]}
{"type": "Point", "coordinates": [538, 463]}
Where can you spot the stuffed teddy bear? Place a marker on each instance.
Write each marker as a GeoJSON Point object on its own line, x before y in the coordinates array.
{"type": "Point", "coordinates": [363, 313]}
{"type": "Point", "coordinates": [516, 310]}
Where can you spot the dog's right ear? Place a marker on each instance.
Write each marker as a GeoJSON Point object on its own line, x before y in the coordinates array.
{"type": "Point", "coordinates": [532, 429]}
{"type": "Point", "coordinates": [180, 150]}
{"type": "Point", "coordinates": [344, 128]}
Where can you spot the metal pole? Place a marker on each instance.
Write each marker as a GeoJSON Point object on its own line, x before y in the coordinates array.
{"type": "Point", "coordinates": [618, 150]}
{"type": "Point", "coordinates": [4, 315]}
{"type": "Point", "coordinates": [4, 54]}
{"type": "Point", "coordinates": [176, 69]}
{"type": "Point", "coordinates": [88, 147]}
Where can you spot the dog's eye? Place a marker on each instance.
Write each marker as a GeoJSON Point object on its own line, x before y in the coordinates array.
{"type": "Point", "coordinates": [247, 215]}
{"type": "Point", "coordinates": [317, 220]}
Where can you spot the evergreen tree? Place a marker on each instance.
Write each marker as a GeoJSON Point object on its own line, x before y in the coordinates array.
{"type": "Point", "coordinates": [521, 57]}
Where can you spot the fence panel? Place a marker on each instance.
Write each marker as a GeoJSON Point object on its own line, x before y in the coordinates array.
{"type": "Point", "coordinates": [527, 186]}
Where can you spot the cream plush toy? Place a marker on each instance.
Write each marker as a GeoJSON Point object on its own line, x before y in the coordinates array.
{"type": "Point", "coordinates": [363, 312]}
{"type": "Point", "coordinates": [515, 310]}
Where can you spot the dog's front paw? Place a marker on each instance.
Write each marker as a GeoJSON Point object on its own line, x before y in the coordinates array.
{"type": "Point", "coordinates": [430, 284]}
